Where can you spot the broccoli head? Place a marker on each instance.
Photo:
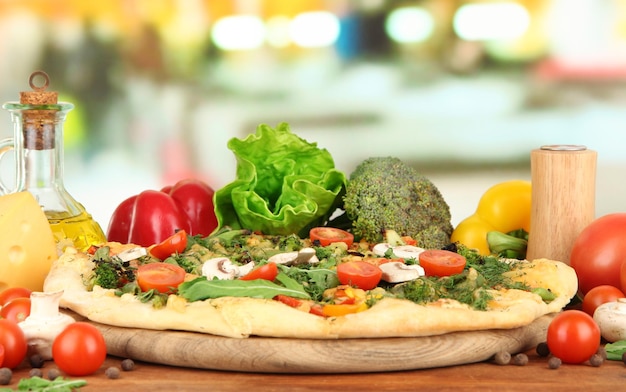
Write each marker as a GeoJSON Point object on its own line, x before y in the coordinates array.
{"type": "Point", "coordinates": [384, 193]}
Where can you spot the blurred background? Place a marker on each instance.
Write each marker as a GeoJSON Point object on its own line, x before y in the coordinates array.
{"type": "Point", "coordinates": [461, 90]}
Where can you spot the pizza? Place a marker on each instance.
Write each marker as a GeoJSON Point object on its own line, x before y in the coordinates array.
{"type": "Point", "coordinates": [239, 284]}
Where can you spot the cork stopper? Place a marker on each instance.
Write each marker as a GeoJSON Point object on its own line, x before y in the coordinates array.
{"type": "Point", "coordinates": [39, 95]}
{"type": "Point", "coordinates": [39, 124]}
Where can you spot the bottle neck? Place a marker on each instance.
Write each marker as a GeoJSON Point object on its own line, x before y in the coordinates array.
{"type": "Point", "coordinates": [40, 162]}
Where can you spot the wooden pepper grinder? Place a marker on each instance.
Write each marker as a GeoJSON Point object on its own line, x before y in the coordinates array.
{"type": "Point", "coordinates": [563, 199]}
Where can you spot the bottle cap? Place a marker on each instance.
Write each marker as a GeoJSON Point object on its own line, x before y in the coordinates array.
{"type": "Point", "coordinates": [39, 95]}
{"type": "Point", "coordinates": [564, 147]}
{"type": "Point", "coordinates": [39, 120]}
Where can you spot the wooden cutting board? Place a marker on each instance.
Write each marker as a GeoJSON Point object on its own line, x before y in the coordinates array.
{"type": "Point", "coordinates": [273, 355]}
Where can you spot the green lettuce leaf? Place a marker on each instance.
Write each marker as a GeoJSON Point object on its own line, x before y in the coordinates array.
{"type": "Point", "coordinates": [283, 184]}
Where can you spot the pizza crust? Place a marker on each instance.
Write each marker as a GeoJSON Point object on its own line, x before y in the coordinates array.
{"type": "Point", "coordinates": [244, 317]}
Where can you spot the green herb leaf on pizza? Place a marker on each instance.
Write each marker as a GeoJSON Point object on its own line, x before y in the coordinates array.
{"type": "Point", "coordinates": [203, 288]}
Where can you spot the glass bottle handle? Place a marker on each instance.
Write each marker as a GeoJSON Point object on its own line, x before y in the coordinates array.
{"type": "Point", "coordinates": [6, 145]}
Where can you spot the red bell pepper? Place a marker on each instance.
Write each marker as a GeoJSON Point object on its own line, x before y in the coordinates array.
{"type": "Point", "coordinates": [195, 198]}
{"type": "Point", "coordinates": [153, 216]}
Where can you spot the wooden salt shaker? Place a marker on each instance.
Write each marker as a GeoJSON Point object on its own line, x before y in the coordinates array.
{"type": "Point", "coordinates": [563, 199]}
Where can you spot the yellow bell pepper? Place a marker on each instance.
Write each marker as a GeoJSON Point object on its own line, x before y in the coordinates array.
{"type": "Point", "coordinates": [336, 310]}
{"type": "Point", "coordinates": [504, 207]}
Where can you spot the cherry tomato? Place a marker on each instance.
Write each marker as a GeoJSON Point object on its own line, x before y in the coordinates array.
{"type": "Point", "coordinates": [16, 309]}
{"type": "Point", "coordinates": [172, 245]}
{"type": "Point", "coordinates": [439, 262]}
{"type": "Point", "coordinates": [162, 277]}
{"type": "Point", "coordinates": [599, 251]}
{"type": "Point", "coordinates": [361, 274]}
{"type": "Point", "coordinates": [267, 271]}
{"type": "Point", "coordinates": [1, 355]}
{"type": "Point", "coordinates": [599, 295]}
{"type": "Point", "coordinates": [79, 349]}
{"type": "Point", "coordinates": [622, 276]}
{"type": "Point", "coordinates": [573, 336]}
{"type": "Point", "coordinates": [13, 292]}
{"type": "Point", "coordinates": [329, 235]}
{"type": "Point", "coordinates": [13, 341]}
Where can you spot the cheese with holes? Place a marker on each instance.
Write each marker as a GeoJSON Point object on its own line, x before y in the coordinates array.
{"type": "Point", "coordinates": [27, 245]}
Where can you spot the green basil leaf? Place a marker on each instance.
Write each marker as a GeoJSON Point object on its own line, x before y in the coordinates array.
{"type": "Point", "coordinates": [615, 350]}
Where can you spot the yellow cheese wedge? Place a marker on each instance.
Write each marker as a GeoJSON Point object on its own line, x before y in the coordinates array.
{"type": "Point", "coordinates": [27, 246]}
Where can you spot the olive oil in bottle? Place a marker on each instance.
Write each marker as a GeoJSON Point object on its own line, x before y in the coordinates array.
{"type": "Point", "coordinates": [37, 144]}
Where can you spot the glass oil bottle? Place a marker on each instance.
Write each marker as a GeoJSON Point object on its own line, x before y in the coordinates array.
{"type": "Point", "coordinates": [37, 144]}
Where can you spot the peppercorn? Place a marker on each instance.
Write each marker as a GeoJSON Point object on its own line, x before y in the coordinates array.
{"type": "Point", "coordinates": [53, 373]}
{"type": "Point", "coordinates": [596, 360]}
{"type": "Point", "coordinates": [112, 372]}
{"type": "Point", "coordinates": [5, 376]}
{"type": "Point", "coordinates": [128, 364]}
{"type": "Point", "coordinates": [624, 358]}
{"type": "Point", "coordinates": [542, 349]}
{"type": "Point", "coordinates": [520, 359]}
{"type": "Point", "coordinates": [502, 358]}
{"type": "Point", "coordinates": [601, 352]}
{"type": "Point", "coordinates": [36, 361]}
{"type": "Point", "coordinates": [35, 372]}
{"type": "Point", "coordinates": [554, 362]}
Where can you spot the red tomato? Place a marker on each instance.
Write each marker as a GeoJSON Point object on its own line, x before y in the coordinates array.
{"type": "Point", "coordinates": [329, 235]}
{"type": "Point", "coordinates": [1, 355]}
{"type": "Point", "coordinates": [622, 276]}
{"type": "Point", "coordinates": [79, 349]}
{"type": "Point", "coordinates": [13, 292]}
{"type": "Point", "coordinates": [315, 309]}
{"type": "Point", "coordinates": [16, 309]}
{"type": "Point", "coordinates": [599, 251]}
{"type": "Point", "coordinates": [162, 277]}
{"type": "Point", "coordinates": [599, 295]}
{"type": "Point", "coordinates": [172, 245]}
{"type": "Point", "coordinates": [573, 336]}
{"type": "Point", "coordinates": [14, 343]}
{"type": "Point", "coordinates": [361, 274]}
{"type": "Point", "coordinates": [267, 271]}
{"type": "Point", "coordinates": [287, 300]}
{"type": "Point", "coordinates": [439, 262]}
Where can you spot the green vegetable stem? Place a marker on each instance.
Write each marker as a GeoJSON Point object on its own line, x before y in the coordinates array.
{"type": "Point", "coordinates": [508, 245]}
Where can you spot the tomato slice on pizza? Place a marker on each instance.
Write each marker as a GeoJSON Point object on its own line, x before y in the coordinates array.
{"type": "Point", "coordinates": [361, 274]}
{"type": "Point", "coordinates": [162, 277]}
{"type": "Point", "coordinates": [440, 262]}
{"type": "Point", "coordinates": [329, 235]}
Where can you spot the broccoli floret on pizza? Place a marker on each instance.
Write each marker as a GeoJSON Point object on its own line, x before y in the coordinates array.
{"type": "Point", "coordinates": [110, 272]}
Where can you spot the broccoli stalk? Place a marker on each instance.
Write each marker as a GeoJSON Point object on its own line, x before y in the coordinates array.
{"type": "Point", "coordinates": [386, 194]}
{"type": "Point", "coordinates": [507, 245]}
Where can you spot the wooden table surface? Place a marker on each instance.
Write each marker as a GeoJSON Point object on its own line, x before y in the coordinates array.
{"type": "Point", "coordinates": [485, 376]}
